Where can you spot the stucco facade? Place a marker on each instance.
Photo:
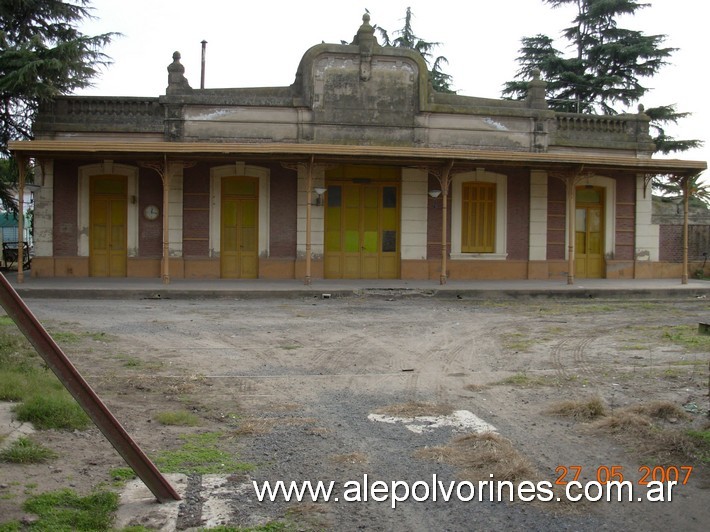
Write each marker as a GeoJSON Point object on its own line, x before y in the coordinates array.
{"type": "Point", "coordinates": [359, 169]}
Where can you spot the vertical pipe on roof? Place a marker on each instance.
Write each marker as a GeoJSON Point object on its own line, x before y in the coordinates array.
{"type": "Point", "coordinates": [202, 69]}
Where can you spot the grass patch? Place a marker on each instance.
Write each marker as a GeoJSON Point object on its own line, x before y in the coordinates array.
{"type": "Point", "coordinates": [687, 336]}
{"type": "Point", "coordinates": [25, 451]}
{"type": "Point", "coordinates": [644, 429]}
{"type": "Point", "coordinates": [53, 410]}
{"type": "Point", "coordinates": [701, 440]}
{"type": "Point", "coordinates": [415, 409]}
{"type": "Point", "coordinates": [581, 410]}
{"type": "Point", "coordinates": [527, 381]}
{"type": "Point", "coordinates": [181, 418]}
{"type": "Point", "coordinates": [290, 347]}
{"type": "Point", "coordinates": [121, 475]}
{"type": "Point", "coordinates": [129, 361]}
{"type": "Point", "coordinates": [43, 401]}
{"type": "Point", "coordinates": [65, 510]}
{"type": "Point", "coordinates": [200, 453]}
{"type": "Point", "coordinates": [66, 337]}
{"type": "Point", "coordinates": [518, 341]}
{"type": "Point", "coordinates": [18, 383]}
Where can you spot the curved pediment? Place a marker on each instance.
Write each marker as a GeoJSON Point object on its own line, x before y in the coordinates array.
{"type": "Point", "coordinates": [362, 82]}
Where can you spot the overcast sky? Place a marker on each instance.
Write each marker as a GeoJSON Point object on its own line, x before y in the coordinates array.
{"type": "Point", "coordinates": [260, 43]}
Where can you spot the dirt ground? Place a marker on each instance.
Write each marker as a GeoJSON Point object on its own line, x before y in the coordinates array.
{"type": "Point", "coordinates": [290, 385]}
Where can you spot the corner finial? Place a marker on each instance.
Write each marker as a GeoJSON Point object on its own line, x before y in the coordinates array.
{"type": "Point", "coordinates": [536, 91]}
{"type": "Point", "coordinates": [177, 82]}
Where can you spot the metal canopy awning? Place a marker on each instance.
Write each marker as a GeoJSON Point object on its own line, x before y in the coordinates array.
{"type": "Point", "coordinates": [334, 152]}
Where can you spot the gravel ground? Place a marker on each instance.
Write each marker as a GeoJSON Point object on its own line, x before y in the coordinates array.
{"type": "Point", "coordinates": [290, 385]}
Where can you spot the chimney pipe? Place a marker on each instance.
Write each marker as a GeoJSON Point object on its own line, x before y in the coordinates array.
{"type": "Point", "coordinates": [202, 76]}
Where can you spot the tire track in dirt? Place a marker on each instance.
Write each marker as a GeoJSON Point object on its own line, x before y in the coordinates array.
{"type": "Point", "coordinates": [575, 349]}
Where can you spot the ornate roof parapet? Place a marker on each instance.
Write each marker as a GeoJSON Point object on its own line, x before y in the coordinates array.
{"type": "Point", "coordinates": [177, 82]}
{"type": "Point", "coordinates": [366, 40]}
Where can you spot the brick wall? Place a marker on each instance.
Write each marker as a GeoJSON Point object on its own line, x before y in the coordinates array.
{"type": "Point", "coordinates": [282, 225]}
{"type": "Point", "coordinates": [518, 215]}
{"type": "Point", "coordinates": [150, 232]}
{"type": "Point", "coordinates": [65, 209]}
{"type": "Point", "coordinates": [556, 219]}
{"type": "Point", "coordinates": [196, 211]}
{"type": "Point", "coordinates": [671, 242]}
{"type": "Point", "coordinates": [625, 217]}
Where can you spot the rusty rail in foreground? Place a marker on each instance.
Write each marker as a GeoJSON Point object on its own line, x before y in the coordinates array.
{"type": "Point", "coordinates": [84, 395]}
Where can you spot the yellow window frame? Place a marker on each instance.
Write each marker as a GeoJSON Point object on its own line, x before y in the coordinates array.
{"type": "Point", "coordinates": [478, 213]}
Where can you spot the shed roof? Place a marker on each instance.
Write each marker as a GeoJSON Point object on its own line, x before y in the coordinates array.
{"type": "Point", "coordinates": [409, 156]}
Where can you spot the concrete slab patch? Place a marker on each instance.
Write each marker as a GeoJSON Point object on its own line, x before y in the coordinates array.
{"type": "Point", "coordinates": [208, 501]}
{"type": "Point", "coordinates": [10, 428]}
{"type": "Point", "coordinates": [219, 494]}
{"type": "Point", "coordinates": [459, 420]}
{"type": "Point", "coordinates": [138, 506]}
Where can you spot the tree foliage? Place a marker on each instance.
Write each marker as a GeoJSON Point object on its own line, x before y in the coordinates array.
{"type": "Point", "coordinates": [698, 190]}
{"type": "Point", "coordinates": [42, 55]}
{"type": "Point", "coordinates": [406, 38]}
{"type": "Point", "coordinates": [604, 72]}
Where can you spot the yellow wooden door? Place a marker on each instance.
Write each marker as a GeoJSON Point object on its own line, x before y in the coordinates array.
{"type": "Point", "coordinates": [589, 227]}
{"type": "Point", "coordinates": [361, 233]}
{"type": "Point", "coordinates": [240, 229]}
{"type": "Point", "coordinates": [107, 227]}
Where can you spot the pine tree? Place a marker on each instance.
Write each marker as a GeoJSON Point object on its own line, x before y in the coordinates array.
{"type": "Point", "coordinates": [604, 73]}
{"type": "Point", "coordinates": [406, 38]}
{"type": "Point", "coordinates": [42, 55]}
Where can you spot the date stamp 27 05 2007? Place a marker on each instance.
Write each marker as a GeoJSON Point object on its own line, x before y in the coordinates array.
{"type": "Point", "coordinates": [615, 473]}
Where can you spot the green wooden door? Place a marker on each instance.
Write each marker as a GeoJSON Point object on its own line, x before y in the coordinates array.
{"type": "Point", "coordinates": [361, 231]}
{"type": "Point", "coordinates": [239, 253]}
{"type": "Point", "coordinates": [589, 228]}
{"type": "Point", "coordinates": [108, 227]}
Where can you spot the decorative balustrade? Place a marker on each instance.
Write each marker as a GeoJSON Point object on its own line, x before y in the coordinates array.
{"type": "Point", "coordinates": [119, 107]}
{"type": "Point", "coordinates": [594, 124]}
{"type": "Point", "coordinates": [96, 114]}
{"type": "Point", "coordinates": [628, 131]}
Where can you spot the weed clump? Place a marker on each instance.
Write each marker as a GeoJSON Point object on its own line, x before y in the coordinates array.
{"type": "Point", "coordinates": [582, 410]}
{"type": "Point", "coordinates": [478, 456]}
{"type": "Point", "coordinates": [65, 510]}
{"type": "Point", "coordinates": [25, 451]}
{"type": "Point", "coordinates": [181, 418]}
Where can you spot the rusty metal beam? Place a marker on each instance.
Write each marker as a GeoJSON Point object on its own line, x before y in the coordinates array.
{"type": "Point", "coordinates": [84, 395]}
